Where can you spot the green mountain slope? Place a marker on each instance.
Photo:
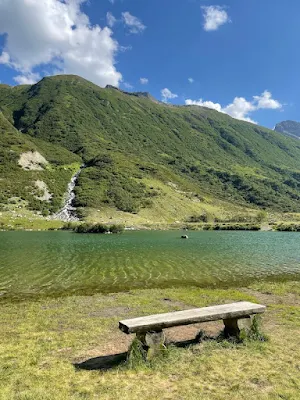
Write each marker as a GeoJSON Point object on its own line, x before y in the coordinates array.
{"type": "Point", "coordinates": [289, 128]}
{"type": "Point", "coordinates": [17, 183]}
{"type": "Point", "coordinates": [144, 155]}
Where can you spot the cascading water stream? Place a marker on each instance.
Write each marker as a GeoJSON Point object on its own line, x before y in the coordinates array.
{"type": "Point", "coordinates": [68, 212]}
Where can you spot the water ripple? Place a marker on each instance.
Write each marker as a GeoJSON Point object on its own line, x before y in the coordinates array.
{"type": "Point", "coordinates": [57, 263]}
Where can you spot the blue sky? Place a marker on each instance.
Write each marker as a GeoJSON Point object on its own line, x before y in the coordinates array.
{"type": "Point", "coordinates": [241, 56]}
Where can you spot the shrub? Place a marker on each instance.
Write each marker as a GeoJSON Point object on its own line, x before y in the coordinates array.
{"type": "Point", "coordinates": [231, 227]}
{"type": "Point", "coordinates": [287, 227]}
{"type": "Point", "coordinates": [198, 218]}
{"type": "Point", "coordinates": [255, 333]}
{"type": "Point", "coordinates": [69, 226]}
{"type": "Point", "coordinates": [261, 216]}
{"type": "Point", "coordinates": [98, 228]}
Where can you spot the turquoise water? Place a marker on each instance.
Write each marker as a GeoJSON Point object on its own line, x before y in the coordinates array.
{"type": "Point", "coordinates": [60, 263]}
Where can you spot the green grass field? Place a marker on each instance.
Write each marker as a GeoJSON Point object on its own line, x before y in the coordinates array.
{"type": "Point", "coordinates": [42, 341]}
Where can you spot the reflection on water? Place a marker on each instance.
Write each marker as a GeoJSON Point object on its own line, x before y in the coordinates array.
{"type": "Point", "coordinates": [58, 263]}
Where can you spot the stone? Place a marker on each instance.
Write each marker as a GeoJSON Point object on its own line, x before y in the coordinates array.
{"type": "Point", "coordinates": [153, 342]}
{"type": "Point", "coordinates": [233, 326]}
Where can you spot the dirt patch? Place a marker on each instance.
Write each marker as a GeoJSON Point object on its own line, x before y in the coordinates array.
{"type": "Point", "coordinates": [32, 161]}
{"type": "Point", "coordinates": [189, 332]}
{"type": "Point", "coordinates": [43, 188]}
{"type": "Point", "coordinates": [120, 342]}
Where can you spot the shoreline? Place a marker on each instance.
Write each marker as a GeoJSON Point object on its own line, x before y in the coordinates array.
{"type": "Point", "coordinates": [221, 286]}
{"type": "Point", "coordinates": [287, 227]}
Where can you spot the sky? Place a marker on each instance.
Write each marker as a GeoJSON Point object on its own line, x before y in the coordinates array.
{"type": "Point", "coordinates": [239, 57]}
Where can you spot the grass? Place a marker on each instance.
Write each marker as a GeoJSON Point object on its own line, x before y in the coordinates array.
{"type": "Point", "coordinates": [21, 219]}
{"type": "Point", "coordinates": [40, 341]}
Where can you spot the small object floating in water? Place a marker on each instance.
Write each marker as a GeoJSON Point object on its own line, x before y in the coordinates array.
{"type": "Point", "coordinates": [184, 237]}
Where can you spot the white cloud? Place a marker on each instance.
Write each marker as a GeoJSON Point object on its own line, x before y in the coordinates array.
{"type": "Point", "coordinates": [166, 95]}
{"type": "Point", "coordinates": [266, 101]}
{"type": "Point", "coordinates": [214, 17]}
{"type": "Point", "coordinates": [134, 24]}
{"type": "Point", "coordinates": [127, 85]}
{"type": "Point", "coordinates": [144, 81]}
{"type": "Point", "coordinates": [191, 80]}
{"type": "Point", "coordinates": [27, 79]}
{"type": "Point", "coordinates": [111, 20]}
{"type": "Point", "coordinates": [241, 108]}
{"type": "Point", "coordinates": [201, 103]}
{"type": "Point", "coordinates": [61, 37]}
{"type": "Point", "coordinates": [5, 58]}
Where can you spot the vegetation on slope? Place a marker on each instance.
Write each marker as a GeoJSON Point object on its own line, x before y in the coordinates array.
{"type": "Point", "coordinates": [128, 140]}
{"type": "Point", "coordinates": [17, 184]}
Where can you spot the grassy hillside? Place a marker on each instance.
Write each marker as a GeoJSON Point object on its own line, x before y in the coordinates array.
{"type": "Point", "coordinates": [141, 154]}
{"type": "Point", "coordinates": [17, 185]}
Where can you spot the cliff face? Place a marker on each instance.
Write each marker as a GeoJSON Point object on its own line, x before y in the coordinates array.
{"type": "Point", "coordinates": [289, 128]}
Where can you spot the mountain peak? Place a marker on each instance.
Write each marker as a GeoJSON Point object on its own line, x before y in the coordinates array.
{"type": "Point", "coordinates": [146, 95]}
{"type": "Point", "coordinates": [289, 128]}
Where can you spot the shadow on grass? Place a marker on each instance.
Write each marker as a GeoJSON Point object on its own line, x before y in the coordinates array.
{"type": "Point", "coordinates": [102, 363]}
{"type": "Point", "coordinates": [108, 362]}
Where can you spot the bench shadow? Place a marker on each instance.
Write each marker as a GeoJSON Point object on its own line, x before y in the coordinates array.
{"type": "Point", "coordinates": [105, 363]}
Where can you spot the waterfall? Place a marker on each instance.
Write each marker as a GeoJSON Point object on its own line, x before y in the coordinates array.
{"type": "Point", "coordinates": [68, 211]}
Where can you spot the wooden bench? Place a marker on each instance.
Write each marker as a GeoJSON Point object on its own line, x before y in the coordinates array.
{"type": "Point", "coordinates": [149, 329]}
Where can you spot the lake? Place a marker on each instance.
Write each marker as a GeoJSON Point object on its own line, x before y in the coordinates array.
{"type": "Point", "coordinates": [35, 264]}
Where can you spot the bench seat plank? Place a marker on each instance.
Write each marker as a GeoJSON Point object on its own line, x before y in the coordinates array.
{"type": "Point", "coordinates": [160, 321]}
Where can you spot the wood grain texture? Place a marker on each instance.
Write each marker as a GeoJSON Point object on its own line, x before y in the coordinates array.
{"type": "Point", "coordinates": [160, 321]}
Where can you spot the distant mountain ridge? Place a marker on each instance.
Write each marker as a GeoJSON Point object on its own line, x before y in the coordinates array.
{"type": "Point", "coordinates": [142, 157]}
{"type": "Point", "coordinates": [289, 128]}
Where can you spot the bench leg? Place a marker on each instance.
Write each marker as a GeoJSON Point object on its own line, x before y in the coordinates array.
{"type": "Point", "coordinates": [153, 342]}
{"type": "Point", "coordinates": [233, 326]}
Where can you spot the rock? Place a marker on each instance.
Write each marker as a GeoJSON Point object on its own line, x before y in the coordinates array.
{"type": "Point", "coordinates": [289, 128]}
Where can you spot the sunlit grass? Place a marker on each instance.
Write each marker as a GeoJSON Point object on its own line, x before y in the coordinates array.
{"type": "Point", "coordinates": [40, 341]}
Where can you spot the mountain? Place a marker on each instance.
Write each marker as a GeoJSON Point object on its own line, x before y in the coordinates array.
{"type": "Point", "coordinates": [143, 158]}
{"type": "Point", "coordinates": [289, 128]}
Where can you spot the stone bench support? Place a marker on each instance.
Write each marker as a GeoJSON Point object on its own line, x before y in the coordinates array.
{"type": "Point", "coordinates": [149, 329]}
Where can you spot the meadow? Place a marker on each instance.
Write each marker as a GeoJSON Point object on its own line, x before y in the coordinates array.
{"type": "Point", "coordinates": [58, 348]}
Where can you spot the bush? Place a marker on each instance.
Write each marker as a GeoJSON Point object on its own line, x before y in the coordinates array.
{"type": "Point", "coordinates": [198, 218]}
{"type": "Point", "coordinates": [231, 227]}
{"type": "Point", "coordinates": [261, 216]}
{"type": "Point", "coordinates": [98, 228]}
{"type": "Point", "coordinates": [255, 333]}
{"type": "Point", "coordinates": [69, 226]}
{"type": "Point", "coordinates": [287, 227]}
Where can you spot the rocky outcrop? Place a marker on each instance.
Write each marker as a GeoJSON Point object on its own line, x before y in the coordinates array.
{"type": "Point", "coordinates": [289, 128]}
{"type": "Point", "coordinates": [32, 161]}
{"type": "Point", "coordinates": [44, 195]}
